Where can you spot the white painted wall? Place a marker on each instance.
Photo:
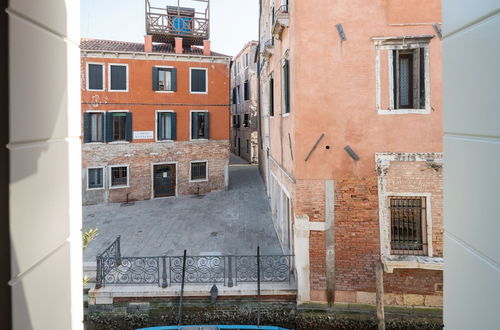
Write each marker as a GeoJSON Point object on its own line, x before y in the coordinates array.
{"type": "Point", "coordinates": [472, 164]}
{"type": "Point", "coordinates": [45, 156]}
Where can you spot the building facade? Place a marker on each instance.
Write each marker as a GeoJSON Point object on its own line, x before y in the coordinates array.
{"type": "Point", "coordinates": [351, 132]}
{"type": "Point", "coordinates": [245, 104]}
{"type": "Point", "coordinates": [155, 120]}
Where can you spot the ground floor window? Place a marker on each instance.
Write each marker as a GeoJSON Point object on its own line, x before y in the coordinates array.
{"type": "Point", "coordinates": [248, 146]}
{"type": "Point", "coordinates": [95, 178]}
{"type": "Point", "coordinates": [198, 171]}
{"type": "Point", "coordinates": [408, 225]}
{"type": "Point", "coordinates": [119, 176]}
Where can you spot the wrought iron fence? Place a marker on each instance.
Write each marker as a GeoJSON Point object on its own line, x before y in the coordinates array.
{"type": "Point", "coordinates": [228, 270]}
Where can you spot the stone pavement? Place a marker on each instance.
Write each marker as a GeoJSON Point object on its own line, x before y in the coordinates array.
{"type": "Point", "coordinates": [234, 221]}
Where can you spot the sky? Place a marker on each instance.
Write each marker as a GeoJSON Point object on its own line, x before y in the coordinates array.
{"type": "Point", "coordinates": [232, 22]}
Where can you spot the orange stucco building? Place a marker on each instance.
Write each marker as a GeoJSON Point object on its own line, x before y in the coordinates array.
{"type": "Point", "coordinates": [351, 131]}
{"type": "Point", "coordinates": [155, 119]}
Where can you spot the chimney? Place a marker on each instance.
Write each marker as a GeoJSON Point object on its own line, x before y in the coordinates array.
{"type": "Point", "coordinates": [178, 45]}
{"type": "Point", "coordinates": [148, 44]}
{"type": "Point", "coordinates": [206, 48]}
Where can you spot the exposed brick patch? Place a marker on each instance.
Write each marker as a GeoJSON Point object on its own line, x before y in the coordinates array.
{"type": "Point", "coordinates": [356, 233]}
{"type": "Point", "coordinates": [140, 156]}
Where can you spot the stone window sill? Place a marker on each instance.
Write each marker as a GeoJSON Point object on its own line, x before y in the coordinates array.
{"type": "Point", "coordinates": [415, 262]}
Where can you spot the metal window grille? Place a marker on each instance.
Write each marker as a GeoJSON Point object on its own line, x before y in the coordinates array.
{"type": "Point", "coordinates": [119, 176]}
{"type": "Point", "coordinates": [408, 225]}
{"type": "Point", "coordinates": [198, 171]}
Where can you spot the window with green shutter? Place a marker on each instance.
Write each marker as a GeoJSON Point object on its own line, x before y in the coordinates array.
{"type": "Point", "coordinates": [95, 77]}
{"type": "Point", "coordinates": [93, 127]}
{"type": "Point", "coordinates": [200, 125]}
{"type": "Point", "coordinates": [118, 126]}
{"type": "Point", "coordinates": [198, 80]}
{"type": "Point", "coordinates": [118, 77]}
{"type": "Point", "coordinates": [271, 97]}
{"type": "Point", "coordinates": [166, 124]}
{"type": "Point", "coordinates": [164, 79]}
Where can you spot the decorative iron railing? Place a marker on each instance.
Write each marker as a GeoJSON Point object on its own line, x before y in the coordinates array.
{"type": "Point", "coordinates": [227, 270]}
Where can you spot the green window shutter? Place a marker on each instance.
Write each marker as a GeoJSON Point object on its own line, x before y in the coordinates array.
{"type": "Point", "coordinates": [155, 79]}
{"type": "Point", "coordinates": [395, 78]}
{"type": "Point", "coordinates": [128, 127]}
{"type": "Point", "coordinates": [159, 126]}
{"type": "Point", "coordinates": [86, 127]}
{"type": "Point", "coordinates": [206, 133]}
{"type": "Point", "coordinates": [174, 79]}
{"type": "Point", "coordinates": [109, 127]}
{"type": "Point", "coordinates": [271, 97]}
{"type": "Point", "coordinates": [174, 125]}
{"type": "Point", "coordinates": [194, 124]}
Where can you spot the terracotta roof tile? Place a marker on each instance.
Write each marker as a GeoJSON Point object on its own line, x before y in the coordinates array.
{"type": "Point", "coordinates": [126, 46]}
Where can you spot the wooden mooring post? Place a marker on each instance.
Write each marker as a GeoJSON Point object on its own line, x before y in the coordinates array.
{"type": "Point", "coordinates": [379, 274]}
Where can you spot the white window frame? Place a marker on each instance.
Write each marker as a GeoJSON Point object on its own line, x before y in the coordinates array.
{"type": "Point", "coordinates": [206, 80]}
{"type": "Point", "coordinates": [103, 177]}
{"type": "Point", "coordinates": [400, 43]}
{"type": "Point", "coordinates": [111, 177]}
{"type": "Point", "coordinates": [119, 142]}
{"type": "Point", "coordinates": [156, 129]}
{"type": "Point", "coordinates": [153, 178]}
{"type": "Point", "coordinates": [191, 126]}
{"type": "Point", "coordinates": [109, 77]}
{"type": "Point", "coordinates": [207, 171]}
{"type": "Point", "coordinates": [283, 106]}
{"type": "Point", "coordinates": [104, 125]}
{"type": "Point", "coordinates": [103, 76]}
{"type": "Point", "coordinates": [391, 262]}
{"type": "Point", "coordinates": [165, 67]}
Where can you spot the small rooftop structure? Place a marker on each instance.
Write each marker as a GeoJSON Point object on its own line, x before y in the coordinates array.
{"type": "Point", "coordinates": [187, 19]}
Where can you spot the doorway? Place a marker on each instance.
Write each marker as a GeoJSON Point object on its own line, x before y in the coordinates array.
{"type": "Point", "coordinates": [164, 180]}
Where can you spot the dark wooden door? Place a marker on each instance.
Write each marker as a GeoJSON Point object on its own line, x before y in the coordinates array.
{"type": "Point", "coordinates": [164, 180]}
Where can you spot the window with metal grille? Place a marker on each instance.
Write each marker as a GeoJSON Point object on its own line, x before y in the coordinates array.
{"type": "Point", "coordinates": [119, 176]}
{"type": "Point", "coordinates": [248, 146]}
{"type": "Point", "coordinates": [118, 126]}
{"type": "Point", "coordinates": [198, 171]}
{"type": "Point", "coordinates": [408, 225]}
{"type": "Point", "coordinates": [95, 180]}
{"type": "Point", "coordinates": [246, 120]}
{"type": "Point", "coordinates": [408, 78]}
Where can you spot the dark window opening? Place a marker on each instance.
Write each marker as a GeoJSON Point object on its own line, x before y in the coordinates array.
{"type": "Point", "coordinates": [286, 87]}
{"type": "Point", "coordinates": [409, 78]}
{"type": "Point", "coordinates": [118, 123]}
{"type": "Point", "coordinates": [199, 125]}
{"type": "Point", "coordinates": [246, 120]}
{"type": "Point", "coordinates": [271, 97]}
{"type": "Point", "coordinates": [119, 176]}
{"type": "Point", "coordinates": [118, 77]}
{"type": "Point", "coordinates": [198, 171]}
{"type": "Point", "coordinates": [246, 91]}
{"type": "Point", "coordinates": [95, 76]}
{"type": "Point", "coordinates": [408, 225]}
{"type": "Point", "coordinates": [198, 80]}
{"type": "Point", "coordinates": [95, 178]}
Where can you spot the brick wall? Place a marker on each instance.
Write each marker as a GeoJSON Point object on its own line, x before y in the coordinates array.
{"type": "Point", "coordinates": [140, 156]}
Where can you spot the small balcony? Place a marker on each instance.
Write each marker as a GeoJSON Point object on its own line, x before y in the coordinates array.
{"type": "Point", "coordinates": [166, 20]}
{"type": "Point", "coordinates": [281, 21]}
{"type": "Point", "coordinates": [268, 49]}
